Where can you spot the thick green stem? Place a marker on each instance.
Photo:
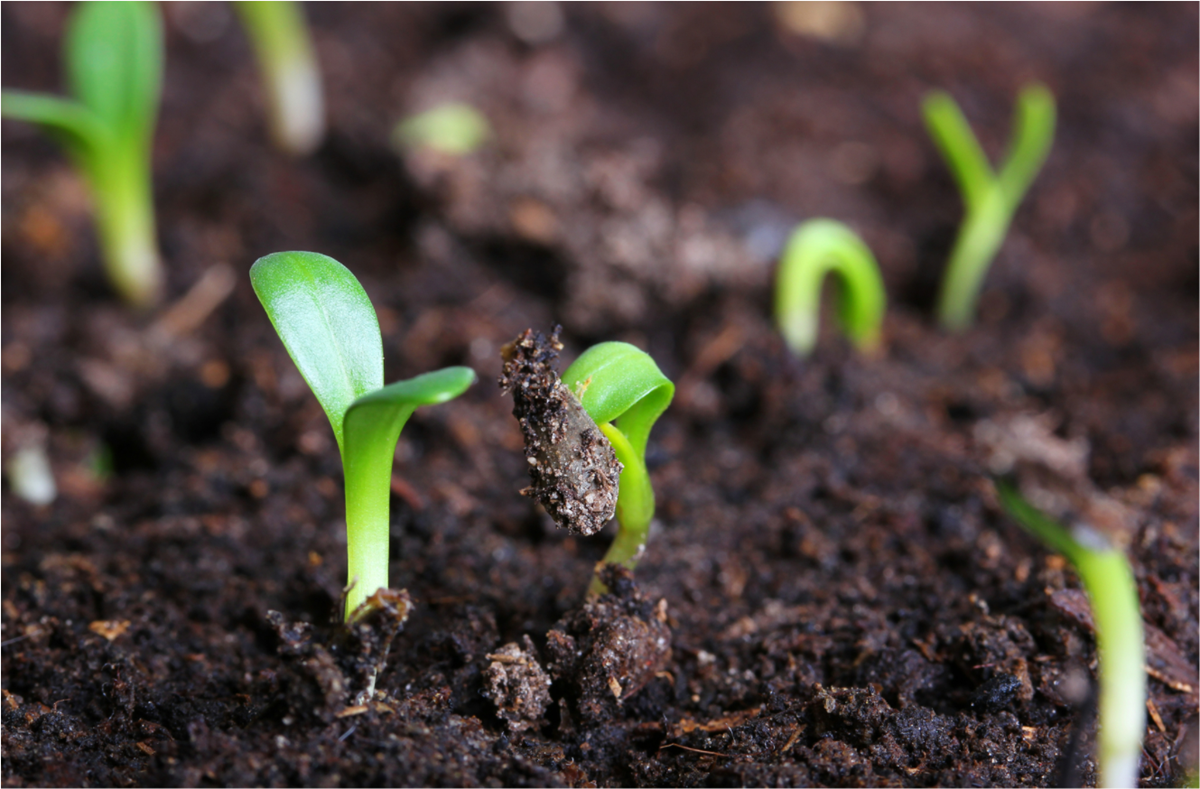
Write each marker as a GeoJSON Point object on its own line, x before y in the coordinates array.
{"type": "Point", "coordinates": [635, 507]}
{"type": "Point", "coordinates": [979, 238]}
{"type": "Point", "coordinates": [124, 208]}
{"type": "Point", "coordinates": [368, 526]}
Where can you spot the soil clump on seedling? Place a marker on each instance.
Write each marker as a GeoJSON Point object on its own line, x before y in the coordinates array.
{"type": "Point", "coordinates": [572, 465]}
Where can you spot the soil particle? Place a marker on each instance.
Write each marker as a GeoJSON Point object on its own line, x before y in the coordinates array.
{"type": "Point", "coordinates": [572, 465]}
{"type": "Point", "coordinates": [518, 685]}
{"type": "Point", "coordinates": [607, 650]}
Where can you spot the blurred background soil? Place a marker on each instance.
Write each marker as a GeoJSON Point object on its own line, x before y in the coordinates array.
{"type": "Point", "coordinates": [846, 603]}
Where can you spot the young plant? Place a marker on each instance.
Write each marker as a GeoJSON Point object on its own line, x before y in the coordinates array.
{"type": "Point", "coordinates": [291, 77]}
{"type": "Point", "coordinates": [114, 63]}
{"type": "Point", "coordinates": [989, 199]}
{"type": "Point", "coordinates": [816, 248]}
{"type": "Point", "coordinates": [625, 393]}
{"type": "Point", "coordinates": [454, 129]}
{"type": "Point", "coordinates": [585, 436]}
{"type": "Point", "coordinates": [330, 330]}
{"type": "Point", "coordinates": [1110, 585]}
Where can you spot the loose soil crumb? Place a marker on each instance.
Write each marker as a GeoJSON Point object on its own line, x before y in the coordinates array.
{"type": "Point", "coordinates": [518, 685]}
{"type": "Point", "coordinates": [574, 469]}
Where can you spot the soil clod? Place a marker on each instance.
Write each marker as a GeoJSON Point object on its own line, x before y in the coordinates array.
{"type": "Point", "coordinates": [518, 685]}
{"type": "Point", "coordinates": [607, 650]}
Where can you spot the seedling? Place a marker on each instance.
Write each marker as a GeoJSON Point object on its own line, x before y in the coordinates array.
{"type": "Point", "coordinates": [291, 77]}
{"type": "Point", "coordinates": [454, 129]}
{"type": "Point", "coordinates": [1109, 583]}
{"type": "Point", "coordinates": [330, 330]}
{"type": "Point", "coordinates": [816, 248]}
{"type": "Point", "coordinates": [114, 62]}
{"type": "Point", "coordinates": [989, 199]}
{"type": "Point", "coordinates": [586, 434]}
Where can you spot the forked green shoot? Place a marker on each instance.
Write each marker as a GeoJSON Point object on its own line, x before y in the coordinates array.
{"type": "Point", "coordinates": [114, 63]}
{"type": "Point", "coordinates": [1109, 582]}
{"type": "Point", "coordinates": [291, 76]}
{"type": "Point", "coordinates": [623, 390]}
{"type": "Point", "coordinates": [330, 330]}
{"type": "Point", "coordinates": [989, 199]}
{"type": "Point", "coordinates": [816, 248]}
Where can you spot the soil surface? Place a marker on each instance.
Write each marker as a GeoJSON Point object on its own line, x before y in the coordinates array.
{"type": "Point", "coordinates": [830, 595]}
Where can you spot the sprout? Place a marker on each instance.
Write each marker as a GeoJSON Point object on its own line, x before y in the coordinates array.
{"type": "Point", "coordinates": [114, 66]}
{"type": "Point", "coordinates": [454, 129]}
{"type": "Point", "coordinates": [990, 200]}
{"type": "Point", "coordinates": [1110, 585]}
{"type": "Point", "coordinates": [290, 73]}
{"type": "Point", "coordinates": [816, 248]}
{"type": "Point", "coordinates": [330, 330]}
{"type": "Point", "coordinates": [586, 434]}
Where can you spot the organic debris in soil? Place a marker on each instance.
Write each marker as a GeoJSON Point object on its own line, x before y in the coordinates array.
{"type": "Point", "coordinates": [573, 466]}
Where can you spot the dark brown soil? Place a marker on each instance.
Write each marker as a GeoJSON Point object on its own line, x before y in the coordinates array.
{"type": "Point", "coordinates": [844, 602]}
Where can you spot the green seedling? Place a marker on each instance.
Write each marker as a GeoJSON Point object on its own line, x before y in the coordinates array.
{"type": "Point", "coordinates": [989, 199]}
{"type": "Point", "coordinates": [114, 63]}
{"type": "Point", "coordinates": [816, 248]}
{"type": "Point", "coordinates": [454, 129]}
{"type": "Point", "coordinates": [622, 389]}
{"type": "Point", "coordinates": [291, 77]}
{"type": "Point", "coordinates": [1109, 582]}
{"type": "Point", "coordinates": [330, 329]}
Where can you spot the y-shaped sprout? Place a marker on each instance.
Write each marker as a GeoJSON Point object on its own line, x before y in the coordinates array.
{"type": "Point", "coordinates": [990, 199]}
{"type": "Point", "coordinates": [816, 248]}
{"type": "Point", "coordinates": [1109, 582]}
{"type": "Point", "coordinates": [623, 390]}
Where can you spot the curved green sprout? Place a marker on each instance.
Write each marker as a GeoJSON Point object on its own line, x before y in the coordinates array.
{"type": "Point", "coordinates": [455, 129]}
{"type": "Point", "coordinates": [990, 200]}
{"type": "Point", "coordinates": [1110, 585]}
{"type": "Point", "coordinates": [114, 63]}
{"type": "Point", "coordinates": [330, 330]}
{"type": "Point", "coordinates": [292, 78]}
{"type": "Point", "coordinates": [623, 390]}
{"type": "Point", "coordinates": [816, 248]}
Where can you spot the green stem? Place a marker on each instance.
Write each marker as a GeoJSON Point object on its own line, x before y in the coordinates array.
{"type": "Point", "coordinates": [635, 507]}
{"type": "Point", "coordinates": [124, 209]}
{"type": "Point", "coordinates": [979, 238]}
{"type": "Point", "coordinates": [1120, 645]}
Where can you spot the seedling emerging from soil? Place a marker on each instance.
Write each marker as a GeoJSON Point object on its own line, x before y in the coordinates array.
{"type": "Point", "coordinates": [816, 248]}
{"type": "Point", "coordinates": [291, 77]}
{"type": "Point", "coordinates": [990, 199]}
{"type": "Point", "coordinates": [454, 129]}
{"type": "Point", "coordinates": [330, 330]}
{"type": "Point", "coordinates": [114, 63]}
{"type": "Point", "coordinates": [586, 435]}
{"type": "Point", "coordinates": [1109, 582]}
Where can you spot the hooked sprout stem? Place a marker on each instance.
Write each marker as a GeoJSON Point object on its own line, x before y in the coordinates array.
{"type": "Point", "coordinates": [816, 248]}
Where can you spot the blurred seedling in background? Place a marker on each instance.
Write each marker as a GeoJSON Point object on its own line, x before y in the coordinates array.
{"type": "Point", "coordinates": [291, 76]}
{"type": "Point", "coordinates": [816, 248]}
{"type": "Point", "coordinates": [454, 129]}
{"type": "Point", "coordinates": [1109, 582]}
{"type": "Point", "coordinates": [989, 199]}
{"type": "Point", "coordinates": [330, 329]}
{"type": "Point", "coordinates": [586, 435]}
{"type": "Point", "coordinates": [114, 63]}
